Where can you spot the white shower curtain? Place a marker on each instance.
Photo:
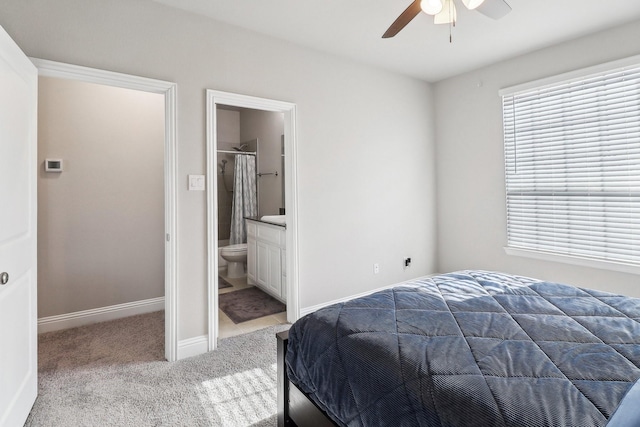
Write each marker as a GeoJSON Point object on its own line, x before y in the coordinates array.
{"type": "Point", "coordinates": [244, 196]}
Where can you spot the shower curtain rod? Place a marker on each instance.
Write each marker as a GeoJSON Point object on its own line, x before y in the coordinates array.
{"type": "Point", "coordinates": [250, 153]}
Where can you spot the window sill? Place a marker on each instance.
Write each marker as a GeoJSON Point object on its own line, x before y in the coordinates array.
{"type": "Point", "coordinates": [566, 259]}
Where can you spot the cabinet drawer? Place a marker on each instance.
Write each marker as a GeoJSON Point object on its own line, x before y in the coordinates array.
{"type": "Point", "coordinates": [268, 234]}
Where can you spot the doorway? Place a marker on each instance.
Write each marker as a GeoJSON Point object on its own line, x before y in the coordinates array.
{"type": "Point", "coordinates": [250, 187]}
{"type": "Point", "coordinates": [167, 90]}
{"type": "Point", "coordinates": [224, 100]}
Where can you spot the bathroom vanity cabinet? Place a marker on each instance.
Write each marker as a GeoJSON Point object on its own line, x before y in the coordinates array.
{"type": "Point", "coordinates": [266, 257]}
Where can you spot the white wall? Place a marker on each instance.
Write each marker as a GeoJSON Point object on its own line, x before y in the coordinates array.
{"type": "Point", "coordinates": [268, 128]}
{"type": "Point", "coordinates": [470, 168]}
{"type": "Point", "coordinates": [366, 152]}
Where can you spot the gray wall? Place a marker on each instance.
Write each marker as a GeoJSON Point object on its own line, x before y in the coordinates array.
{"type": "Point", "coordinates": [268, 128]}
{"type": "Point", "coordinates": [470, 161]}
{"type": "Point", "coordinates": [371, 129]}
{"type": "Point", "coordinates": [100, 221]}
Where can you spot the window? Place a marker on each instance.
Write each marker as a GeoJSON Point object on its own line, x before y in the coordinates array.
{"type": "Point", "coordinates": [572, 163]}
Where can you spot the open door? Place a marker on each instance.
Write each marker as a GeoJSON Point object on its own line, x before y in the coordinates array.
{"type": "Point", "coordinates": [18, 232]}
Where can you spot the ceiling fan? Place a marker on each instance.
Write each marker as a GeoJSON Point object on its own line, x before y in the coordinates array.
{"type": "Point", "coordinates": [444, 12]}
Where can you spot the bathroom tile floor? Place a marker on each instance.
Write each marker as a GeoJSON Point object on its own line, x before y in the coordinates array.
{"type": "Point", "coordinates": [226, 327]}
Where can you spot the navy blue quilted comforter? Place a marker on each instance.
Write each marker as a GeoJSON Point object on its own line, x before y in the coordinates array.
{"type": "Point", "coordinates": [472, 348]}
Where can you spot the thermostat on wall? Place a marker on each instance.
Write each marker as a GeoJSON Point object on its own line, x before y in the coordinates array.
{"type": "Point", "coordinates": [53, 165]}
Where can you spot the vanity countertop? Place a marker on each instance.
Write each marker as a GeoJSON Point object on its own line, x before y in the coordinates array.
{"type": "Point", "coordinates": [259, 219]}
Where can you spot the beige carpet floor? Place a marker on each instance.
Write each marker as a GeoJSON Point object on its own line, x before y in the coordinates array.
{"type": "Point", "coordinates": [114, 374]}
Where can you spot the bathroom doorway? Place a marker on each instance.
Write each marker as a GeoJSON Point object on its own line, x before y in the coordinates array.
{"type": "Point", "coordinates": [250, 174]}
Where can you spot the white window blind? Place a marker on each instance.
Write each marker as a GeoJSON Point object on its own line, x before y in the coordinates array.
{"type": "Point", "coordinates": [572, 154]}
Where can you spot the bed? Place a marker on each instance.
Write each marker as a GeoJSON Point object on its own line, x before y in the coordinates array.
{"type": "Point", "coordinates": [471, 348]}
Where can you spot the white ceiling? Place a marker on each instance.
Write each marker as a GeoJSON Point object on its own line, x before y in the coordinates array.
{"type": "Point", "coordinates": [353, 28]}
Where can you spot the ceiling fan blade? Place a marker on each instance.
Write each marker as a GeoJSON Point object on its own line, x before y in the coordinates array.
{"type": "Point", "coordinates": [495, 9]}
{"type": "Point", "coordinates": [405, 17]}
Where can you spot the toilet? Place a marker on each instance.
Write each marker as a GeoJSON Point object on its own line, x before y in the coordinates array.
{"type": "Point", "coordinates": [236, 257]}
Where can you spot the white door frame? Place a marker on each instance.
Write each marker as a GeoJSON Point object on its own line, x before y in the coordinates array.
{"type": "Point", "coordinates": [215, 98]}
{"type": "Point", "coordinates": [90, 75]}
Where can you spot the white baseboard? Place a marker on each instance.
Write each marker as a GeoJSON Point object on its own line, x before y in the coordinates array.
{"type": "Point", "coordinates": [193, 346]}
{"type": "Point", "coordinates": [309, 310]}
{"type": "Point", "coordinates": [102, 314]}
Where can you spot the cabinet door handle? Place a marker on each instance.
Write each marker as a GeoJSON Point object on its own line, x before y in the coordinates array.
{"type": "Point", "coordinates": [4, 278]}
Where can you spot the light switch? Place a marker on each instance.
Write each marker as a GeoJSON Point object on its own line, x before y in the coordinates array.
{"type": "Point", "coordinates": [196, 182]}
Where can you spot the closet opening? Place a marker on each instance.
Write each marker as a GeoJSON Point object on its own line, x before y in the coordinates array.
{"type": "Point", "coordinates": [106, 211]}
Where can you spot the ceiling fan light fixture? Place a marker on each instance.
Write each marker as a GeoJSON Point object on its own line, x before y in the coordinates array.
{"type": "Point", "coordinates": [448, 15]}
{"type": "Point", "coordinates": [444, 12]}
{"type": "Point", "coordinates": [472, 4]}
{"type": "Point", "coordinates": [431, 7]}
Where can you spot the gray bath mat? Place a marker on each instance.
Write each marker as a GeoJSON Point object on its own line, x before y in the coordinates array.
{"type": "Point", "coordinates": [248, 304]}
{"type": "Point", "coordinates": [223, 283]}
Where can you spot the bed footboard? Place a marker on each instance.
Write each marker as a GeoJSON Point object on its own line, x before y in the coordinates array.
{"type": "Point", "coordinates": [283, 382]}
{"type": "Point", "coordinates": [294, 407]}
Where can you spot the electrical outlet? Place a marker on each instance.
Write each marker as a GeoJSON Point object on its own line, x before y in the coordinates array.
{"type": "Point", "coordinates": [376, 268]}
{"type": "Point", "coordinates": [407, 262]}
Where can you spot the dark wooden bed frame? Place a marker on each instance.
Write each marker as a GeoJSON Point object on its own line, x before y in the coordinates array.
{"type": "Point", "coordinates": [295, 408]}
